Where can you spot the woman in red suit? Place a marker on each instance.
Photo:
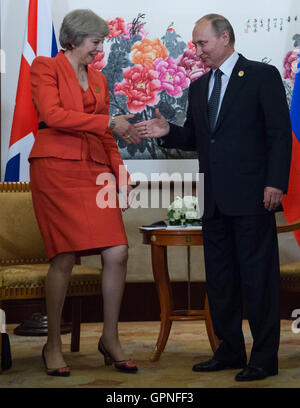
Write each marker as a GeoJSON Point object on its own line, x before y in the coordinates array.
{"type": "Point", "coordinates": [73, 147]}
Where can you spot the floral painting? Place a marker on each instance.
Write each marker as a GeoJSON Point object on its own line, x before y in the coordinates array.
{"type": "Point", "coordinates": [145, 73]}
{"type": "Point", "coordinates": [290, 67]}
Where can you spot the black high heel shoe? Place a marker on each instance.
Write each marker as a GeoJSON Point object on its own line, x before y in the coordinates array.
{"type": "Point", "coordinates": [56, 372]}
{"type": "Point", "coordinates": [126, 366]}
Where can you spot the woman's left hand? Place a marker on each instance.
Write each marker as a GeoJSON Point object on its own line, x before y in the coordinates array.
{"type": "Point", "coordinates": [125, 130]}
{"type": "Point", "coordinates": [128, 195]}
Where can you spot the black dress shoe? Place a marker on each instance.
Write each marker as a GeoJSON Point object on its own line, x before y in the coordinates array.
{"type": "Point", "coordinates": [216, 365]}
{"type": "Point", "coordinates": [253, 373]}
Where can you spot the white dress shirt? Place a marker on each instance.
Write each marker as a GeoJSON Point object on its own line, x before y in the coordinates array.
{"type": "Point", "coordinates": [226, 68]}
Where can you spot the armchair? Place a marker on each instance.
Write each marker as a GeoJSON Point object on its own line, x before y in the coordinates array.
{"type": "Point", "coordinates": [23, 262]}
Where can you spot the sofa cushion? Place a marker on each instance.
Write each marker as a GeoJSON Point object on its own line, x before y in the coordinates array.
{"type": "Point", "coordinates": [290, 276]}
{"type": "Point", "coordinates": [291, 269]}
{"type": "Point", "coordinates": [33, 276]}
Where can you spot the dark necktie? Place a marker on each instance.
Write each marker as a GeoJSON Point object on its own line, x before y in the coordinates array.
{"type": "Point", "coordinates": [214, 100]}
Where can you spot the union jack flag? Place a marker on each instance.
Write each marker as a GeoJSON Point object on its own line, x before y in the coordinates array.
{"type": "Point", "coordinates": [39, 40]}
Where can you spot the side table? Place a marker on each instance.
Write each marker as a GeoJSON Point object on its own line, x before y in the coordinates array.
{"type": "Point", "coordinates": [160, 239]}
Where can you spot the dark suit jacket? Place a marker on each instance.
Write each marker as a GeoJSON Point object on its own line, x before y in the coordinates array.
{"type": "Point", "coordinates": [250, 147]}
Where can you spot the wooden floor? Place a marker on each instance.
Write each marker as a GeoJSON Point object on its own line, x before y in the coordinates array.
{"type": "Point", "coordinates": [187, 345]}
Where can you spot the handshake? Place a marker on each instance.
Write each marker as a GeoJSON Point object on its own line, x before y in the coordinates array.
{"type": "Point", "coordinates": [156, 127]}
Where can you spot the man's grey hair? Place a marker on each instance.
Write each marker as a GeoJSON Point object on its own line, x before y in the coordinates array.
{"type": "Point", "coordinates": [219, 25]}
{"type": "Point", "coordinates": [80, 24]}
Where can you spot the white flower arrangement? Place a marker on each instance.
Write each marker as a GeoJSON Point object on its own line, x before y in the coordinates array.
{"type": "Point", "coordinates": [184, 211]}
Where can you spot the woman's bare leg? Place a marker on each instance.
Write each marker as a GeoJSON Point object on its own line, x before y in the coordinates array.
{"type": "Point", "coordinates": [114, 265]}
{"type": "Point", "coordinates": [57, 282]}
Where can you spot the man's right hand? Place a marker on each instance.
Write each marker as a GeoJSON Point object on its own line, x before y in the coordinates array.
{"type": "Point", "coordinates": [157, 127]}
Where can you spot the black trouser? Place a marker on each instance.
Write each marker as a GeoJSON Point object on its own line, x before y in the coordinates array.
{"type": "Point", "coordinates": [242, 265]}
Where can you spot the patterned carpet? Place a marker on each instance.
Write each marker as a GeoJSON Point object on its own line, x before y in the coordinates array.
{"type": "Point", "coordinates": [187, 345]}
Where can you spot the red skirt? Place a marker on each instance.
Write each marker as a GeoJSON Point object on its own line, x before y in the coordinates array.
{"type": "Point", "coordinates": [66, 200]}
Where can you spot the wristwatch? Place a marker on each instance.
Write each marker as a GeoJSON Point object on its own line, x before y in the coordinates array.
{"type": "Point", "coordinates": [111, 123]}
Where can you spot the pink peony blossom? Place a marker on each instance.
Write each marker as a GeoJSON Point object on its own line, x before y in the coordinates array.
{"type": "Point", "coordinates": [290, 65]}
{"type": "Point", "coordinates": [98, 62]}
{"type": "Point", "coordinates": [191, 47]}
{"type": "Point", "coordinates": [142, 32]}
{"type": "Point", "coordinates": [193, 65]}
{"type": "Point", "coordinates": [173, 78]}
{"type": "Point", "coordinates": [141, 86]}
{"type": "Point", "coordinates": [116, 26]}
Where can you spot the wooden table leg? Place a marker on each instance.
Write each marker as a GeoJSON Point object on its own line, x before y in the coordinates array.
{"type": "Point", "coordinates": [213, 339]}
{"type": "Point", "coordinates": [164, 291]}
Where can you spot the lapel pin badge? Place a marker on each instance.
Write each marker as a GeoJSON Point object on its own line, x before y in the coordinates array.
{"type": "Point", "coordinates": [241, 73]}
{"type": "Point", "coordinates": [97, 90]}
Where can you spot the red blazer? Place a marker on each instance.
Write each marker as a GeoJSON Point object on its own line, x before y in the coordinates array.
{"type": "Point", "coordinates": [57, 98]}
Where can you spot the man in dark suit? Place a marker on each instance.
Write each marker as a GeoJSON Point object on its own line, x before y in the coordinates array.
{"type": "Point", "coordinates": [238, 121]}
